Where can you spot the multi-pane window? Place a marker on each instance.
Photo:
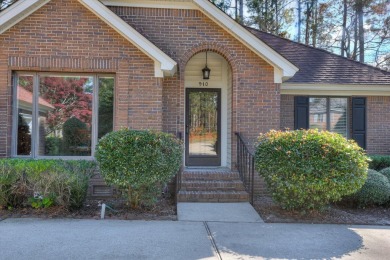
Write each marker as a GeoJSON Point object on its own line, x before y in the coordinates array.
{"type": "Point", "coordinates": [61, 115]}
{"type": "Point", "coordinates": [328, 113]}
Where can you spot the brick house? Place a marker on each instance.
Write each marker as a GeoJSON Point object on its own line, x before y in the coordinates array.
{"type": "Point", "coordinates": [104, 65]}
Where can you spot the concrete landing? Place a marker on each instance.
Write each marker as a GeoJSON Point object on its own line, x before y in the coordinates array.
{"type": "Point", "coordinates": [242, 212]}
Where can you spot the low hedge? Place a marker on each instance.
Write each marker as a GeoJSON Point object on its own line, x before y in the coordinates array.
{"type": "Point", "coordinates": [307, 169]}
{"type": "Point", "coordinates": [379, 162]}
{"type": "Point", "coordinates": [386, 172]}
{"type": "Point", "coordinates": [375, 191]}
{"type": "Point", "coordinates": [43, 183]}
{"type": "Point", "coordinates": [139, 163]}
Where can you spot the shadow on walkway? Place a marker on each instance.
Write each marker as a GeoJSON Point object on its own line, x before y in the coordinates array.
{"type": "Point", "coordinates": [292, 241]}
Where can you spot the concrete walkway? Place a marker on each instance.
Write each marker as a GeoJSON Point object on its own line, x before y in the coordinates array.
{"type": "Point", "coordinates": [108, 239]}
{"type": "Point", "coordinates": [221, 212]}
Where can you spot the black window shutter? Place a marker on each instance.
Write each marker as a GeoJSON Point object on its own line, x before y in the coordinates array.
{"type": "Point", "coordinates": [301, 108]}
{"type": "Point", "coordinates": [359, 120]}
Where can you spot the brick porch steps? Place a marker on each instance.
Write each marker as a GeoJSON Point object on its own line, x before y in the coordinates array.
{"type": "Point", "coordinates": [219, 185]}
{"type": "Point", "coordinates": [215, 185]}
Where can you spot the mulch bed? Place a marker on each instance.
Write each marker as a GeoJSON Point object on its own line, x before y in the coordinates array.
{"type": "Point", "coordinates": [334, 214]}
{"type": "Point", "coordinates": [165, 209]}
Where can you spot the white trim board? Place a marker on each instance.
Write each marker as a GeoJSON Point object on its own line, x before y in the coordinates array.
{"type": "Point", "coordinates": [167, 4]}
{"type": "Point", "coordinates": [164, 65]}
{"type": "Point", "coordinates": [335, 89]}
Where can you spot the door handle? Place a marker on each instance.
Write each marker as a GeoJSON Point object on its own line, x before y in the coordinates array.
{"type": "Point", "coordinates": [187, 129]}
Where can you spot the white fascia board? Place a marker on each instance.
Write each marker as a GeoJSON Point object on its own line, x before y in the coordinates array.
{"type": "Point", "coordinates": [255, 44]}
{"type": "Point", "coordinates": [172, 4]}
{"type": "Point", "coordinates": [334, 89]}
{"type": "Point", "coordinates": [278, 75]}
{"type": "Point", "coordinates": [162, 61]}
{"type": "Point", "coordinates": [18, 11]}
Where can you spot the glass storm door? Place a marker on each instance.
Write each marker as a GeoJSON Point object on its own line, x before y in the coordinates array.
{"type": "Point", "coordinates": [203, 127]}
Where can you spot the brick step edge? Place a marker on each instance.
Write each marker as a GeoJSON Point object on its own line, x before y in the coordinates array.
{"type": "Point", "coordinates": [212, 196]}
{"type": "Point", "coordinates": [233, 185]}
{"type": "Point", "coordinates": [204, 176]}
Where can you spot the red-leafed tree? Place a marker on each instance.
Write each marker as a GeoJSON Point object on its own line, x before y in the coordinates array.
{"type": "Point", "coordinates": [70, 97]}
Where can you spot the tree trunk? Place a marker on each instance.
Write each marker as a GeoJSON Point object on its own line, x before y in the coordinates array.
{"type": "Point", "coordinates": [299, 19]}
{"type": "Point", "coordinates": [354, 53]}
{"type": "Point", "coordinates": [314, 22]}
{"type": "Point", "coordinates": [308, 18]}
{"type": "Point", "coordinates": [266, 20]}
{"type": "Point", "coordinates": [276, 17]}
{"type": "Point", "coordinates": [241, 11]}
{"type": "Point", "coordinates": [236, 10]}
{"type": "Point", "coordinates": [344, 28]}
{"type": "Point", "coordinates": [359, 13]}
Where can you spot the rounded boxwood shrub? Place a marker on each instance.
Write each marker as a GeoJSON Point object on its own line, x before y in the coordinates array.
{"type": "Point", "coordinates": [139, 163]}
{"type": "Point", "coordinates": [375, 191]}
{"type": "Point", "coordinates": [307, 169]}
{"type": "Point", "coordinates": [386, 172]}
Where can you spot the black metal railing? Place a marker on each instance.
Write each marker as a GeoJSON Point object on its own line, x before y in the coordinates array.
{"type": "Point", "coordinates": [246, 166]}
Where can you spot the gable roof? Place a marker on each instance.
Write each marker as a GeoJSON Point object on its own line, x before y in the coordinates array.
{"type": "Point", "coordinates": [23, 8]}
{"type": "Point", "coordinates": [286, 68]}
{"type": "Point", "coordinates": [320, 66]}
{"type": "Point", "coordinates": [283, 68]}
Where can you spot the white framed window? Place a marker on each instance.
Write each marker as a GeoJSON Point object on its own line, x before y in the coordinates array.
{"type": "Point", "coordinates": [329, 113]}
{"type": "Point", "coordinates": [61, 114]}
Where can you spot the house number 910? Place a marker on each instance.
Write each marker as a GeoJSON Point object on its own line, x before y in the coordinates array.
{"type": "Point", "coordinates": [203, 84]}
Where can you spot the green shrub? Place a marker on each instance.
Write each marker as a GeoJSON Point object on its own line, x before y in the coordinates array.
{"type": "Point", "coordinates": [79, 174]}
{"type": "Point", "coordinates": [307, 169]}
{"type": "Point", "coordinates": [38, 201]}
{"type": "Point", "coordinates": [13, 186]}
{"type": "Point", "coordinates": [43, 183]}
{"type": "Point", "coordinates": [139, 163]}
{"type": "Point", "coordinates": [375, 191]}
{"type": "Point", "coordinates": [73, 135]}
{"type": "Point", "coordinates": [386, 172]}
{"type": "Point", "coordinates": [379, 162]}
{"type": "Point", "coordinates": [53, 146]}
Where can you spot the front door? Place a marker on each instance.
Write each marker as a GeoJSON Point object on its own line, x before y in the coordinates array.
{"type": "Point", "coordinates": [203, 127]}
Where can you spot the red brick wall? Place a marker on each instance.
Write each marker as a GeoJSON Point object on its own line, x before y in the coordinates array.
{"type": "Point", "coordinates": [287, 112]}
{"type": "Point", "coordinates": [184, 33]}
{"type": "Point", "coordinates": [5, 105]}
{"type": "Point", "coordinates": [171, 105]}
{"type": "Point", "coordinates": [63, 36]}
{"type": "Point", "coordinates": [378, 125]}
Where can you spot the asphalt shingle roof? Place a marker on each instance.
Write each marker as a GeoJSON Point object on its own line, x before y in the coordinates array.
{"type": "Point", "coordinates": [320, 66]}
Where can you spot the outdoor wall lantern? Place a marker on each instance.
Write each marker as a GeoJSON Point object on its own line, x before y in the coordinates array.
{"type": "Point", "coordinates": [206, 70]}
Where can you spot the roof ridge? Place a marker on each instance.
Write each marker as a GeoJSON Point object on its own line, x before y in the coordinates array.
{"type": "Point", "coordinates": [318, 49]}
